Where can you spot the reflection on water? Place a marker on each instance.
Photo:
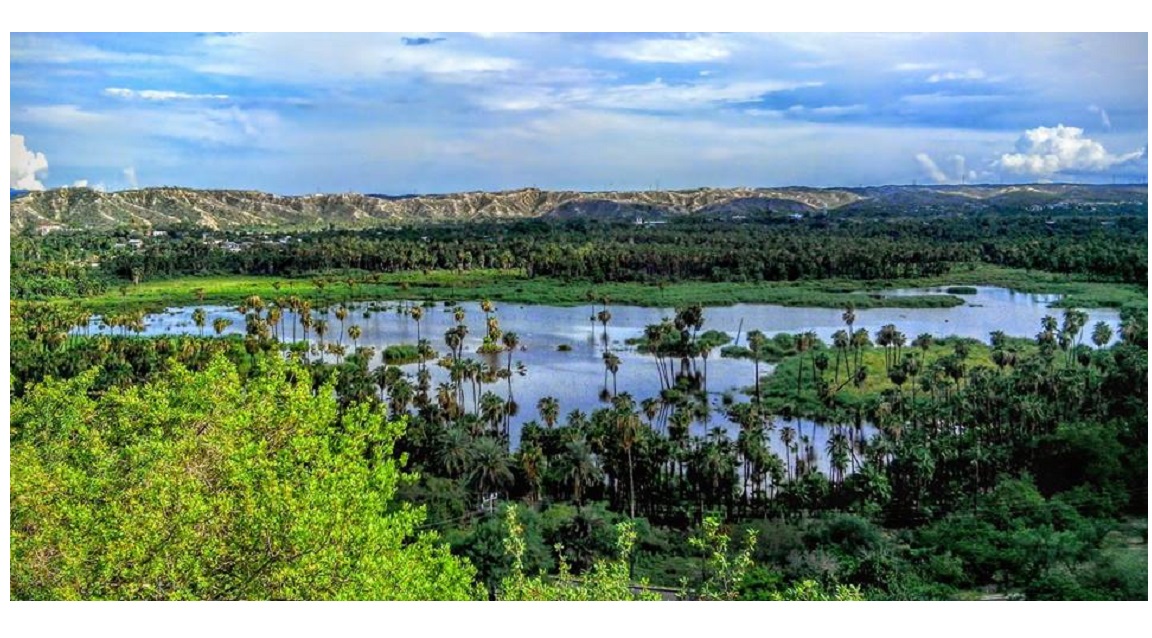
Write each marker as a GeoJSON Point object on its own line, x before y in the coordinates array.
{"type": "Point", "coordinates": [576, 377]}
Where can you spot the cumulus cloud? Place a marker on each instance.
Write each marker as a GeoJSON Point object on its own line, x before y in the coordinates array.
{"type": "Point", "coordinates": [26, 165]}
{"type": "Point", "coordinates": [160, 96]}
{"type": "Point", "coordinates": [954, 76]}
{"type": "Point", "coordinates": [929, 165]}
{"type": "Point", "coordinates": [1045, 151]}
{"type": "Point", "coordinates": [1104, 119]}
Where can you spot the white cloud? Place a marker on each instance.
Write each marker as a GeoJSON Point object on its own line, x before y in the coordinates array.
{"type": "Point", "coordinates": [153, 95]}
{"type": "Point", "coordinates": [68, 116]}
{"type": "Point", "coordinates": [1045, 151]}
{"type": "Point", "coordinates": [653, 96]}
{"type": "Point", "coordinates": [46, 49]}
{"type": "Point", "coordinates": [130, 177]}
{"type": "Point", "coordinates": [26, 165]}
{"type": "Point", "coordinates": [906, 67]}
{"type": "Point", "coordinates": [827, 111]}
{"type": "Point", "coordinates": [326, 58]}
{"type": "Point", "coordinates": [929, 165]}
{"type": "Point", "coordinates": [952, 76]}
{"type": "Point", "coordinates": [670, 50]}
{"type": "Point", "coordinates": [1105, 121]}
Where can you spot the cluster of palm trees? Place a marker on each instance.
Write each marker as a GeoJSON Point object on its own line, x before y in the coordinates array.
{"type": "Point", "coordinates": [970, 425]}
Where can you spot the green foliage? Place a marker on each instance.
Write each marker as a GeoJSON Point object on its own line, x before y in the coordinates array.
{"type": "Point", "coordinates": [723, 574]}
{"type": "Point", "coordinates": [199, 486]}
{"type": "Point", "coordinates": [810, 590]}
{"type": "Point", "coordinates": [606, 580]}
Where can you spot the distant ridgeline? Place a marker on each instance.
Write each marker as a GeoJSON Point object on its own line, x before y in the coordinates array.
{"type": "Point", "coordinates": [83, 208]}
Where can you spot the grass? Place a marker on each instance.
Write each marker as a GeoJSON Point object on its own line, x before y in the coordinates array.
{"type": "Point", "coordinates": [511, 286]}
{"type": "Point", "coordinates": [779, 387]}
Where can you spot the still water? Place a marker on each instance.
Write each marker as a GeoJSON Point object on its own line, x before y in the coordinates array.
{"type": "Point", "coordinates": [576, 377]}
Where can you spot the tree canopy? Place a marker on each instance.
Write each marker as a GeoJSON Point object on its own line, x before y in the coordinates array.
{"type": "Point", "coordinates": [199, 486]}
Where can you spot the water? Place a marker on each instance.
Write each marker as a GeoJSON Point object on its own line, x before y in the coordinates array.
{"type": "Point", "coordinates": [575, 378]}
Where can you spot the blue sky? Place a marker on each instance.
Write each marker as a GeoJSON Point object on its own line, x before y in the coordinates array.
{"type": "Point", "coordinates": [445, 112]}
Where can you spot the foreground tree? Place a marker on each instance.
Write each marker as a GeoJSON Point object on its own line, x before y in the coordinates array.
{"type": "Point", "coordinates": [199, 486]}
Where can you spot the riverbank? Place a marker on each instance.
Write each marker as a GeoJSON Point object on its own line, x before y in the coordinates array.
{"type": "Point", "coordinates": [513, 286]}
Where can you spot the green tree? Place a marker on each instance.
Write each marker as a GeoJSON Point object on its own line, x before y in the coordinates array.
{"type": "Point", "coordinates": [606, 580]}
{"type": "Point", "coordinates": [200, 486]}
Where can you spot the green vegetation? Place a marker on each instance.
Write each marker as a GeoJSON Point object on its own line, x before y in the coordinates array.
{"type": "Point", "coordinates": [511, 287]}
{"type": "Point", "coordinates": [960, 290]}
{"type": "Point", "coordinates": [876, 465]}
{"type": "Point", "coordinates": [201, 486]}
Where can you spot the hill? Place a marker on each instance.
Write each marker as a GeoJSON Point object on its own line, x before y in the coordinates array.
{"type": "Point", "coordinates": [230, 209]}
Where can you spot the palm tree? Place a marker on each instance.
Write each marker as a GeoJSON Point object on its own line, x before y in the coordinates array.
{"type": "Point", "coordinates": [511, 341]}
{"type": "Point", "coordinates": [534, 464]}
{"type": "Point", "coordinates": [354, 334]}
{"type": "Point", "coordinates": [628, 429]}
{"type": "Point", "coordinates": [220, 324]}
{"type": "Point", "coordinates": [1101, 334]}
{"type": "Point", "coordinates": [417, 313]}
{"type": "Point", "coordinates": [549, 409]}
{"type": "Point", "coordinates": [604, 316]}
{"type": "Point", "coordinates": [612, 364]}
{"type": "Point", "coordinates": [341, 314]}
{"type": "Point", "coordinates": [840, 340]}
{"type": "Point", "coordinates": [756, 343]}
{"type": "Point", "coordinates": [200, 318]}
{"type": "Point", "coordinates": [580, 468]}
{"type": "Point", "coordinates": [489, 466]}
{"type": "Point", "coordinates": [454, 450]}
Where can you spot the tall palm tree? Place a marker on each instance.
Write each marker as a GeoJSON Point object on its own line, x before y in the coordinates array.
{"type": "Point", "coordinates": [840, 340]}
{"type": "Point", "coordinates": [612, 364]}
{"type": "Point", "coordinates": [756, 343]}
{"type": "Point", "coordinates": [1101, 334]}
{"type": "Point", "coordinates": [354, 334]}
{"type": "Point", "coordinates": [604, 316]}
{"type": "Point", "coordinates": [341, 315]}
{"type": "Point", "coordinates": [534, 464]}
{"type": "Point", "coordinates": [580, 468]}
{"type": "Point", "coordinates": [489, 466]}
{"type": "Point", "coordinates": [200, 318]}
{"type": "Point", "coordinates": [549, 409]}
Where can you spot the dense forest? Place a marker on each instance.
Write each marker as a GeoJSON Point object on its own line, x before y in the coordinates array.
{"type": "Point", "coordinates": [303, 465]}
{"type": "Point", "coordinates": [759, 249]}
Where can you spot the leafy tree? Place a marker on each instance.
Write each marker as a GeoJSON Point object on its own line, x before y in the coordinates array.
{"type": "Point", "coordinates": [606, 580]}
{"type": "Point", "coordinates": [199, 486]}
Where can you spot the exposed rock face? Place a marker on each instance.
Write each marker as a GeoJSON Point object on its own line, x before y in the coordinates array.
{"type": "Point", "coordinates": [223, 209]}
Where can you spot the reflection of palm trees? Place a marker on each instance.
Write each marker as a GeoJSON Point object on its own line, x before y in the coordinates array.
{"type": "Point", "coordinates": [611, 364]}
{"type": "Point", "coordinates": [604, 316]}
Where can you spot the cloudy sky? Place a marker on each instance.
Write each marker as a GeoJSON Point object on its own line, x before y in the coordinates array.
{"type": "Point", "coordinates": [443, 112]}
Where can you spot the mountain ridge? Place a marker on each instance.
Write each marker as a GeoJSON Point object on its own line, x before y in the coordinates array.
{"type": "Point", "coordinates": [222, 209]}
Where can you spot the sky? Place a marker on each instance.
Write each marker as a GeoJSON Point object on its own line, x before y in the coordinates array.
{"type": "Point", "coordinates": [419, 112]}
